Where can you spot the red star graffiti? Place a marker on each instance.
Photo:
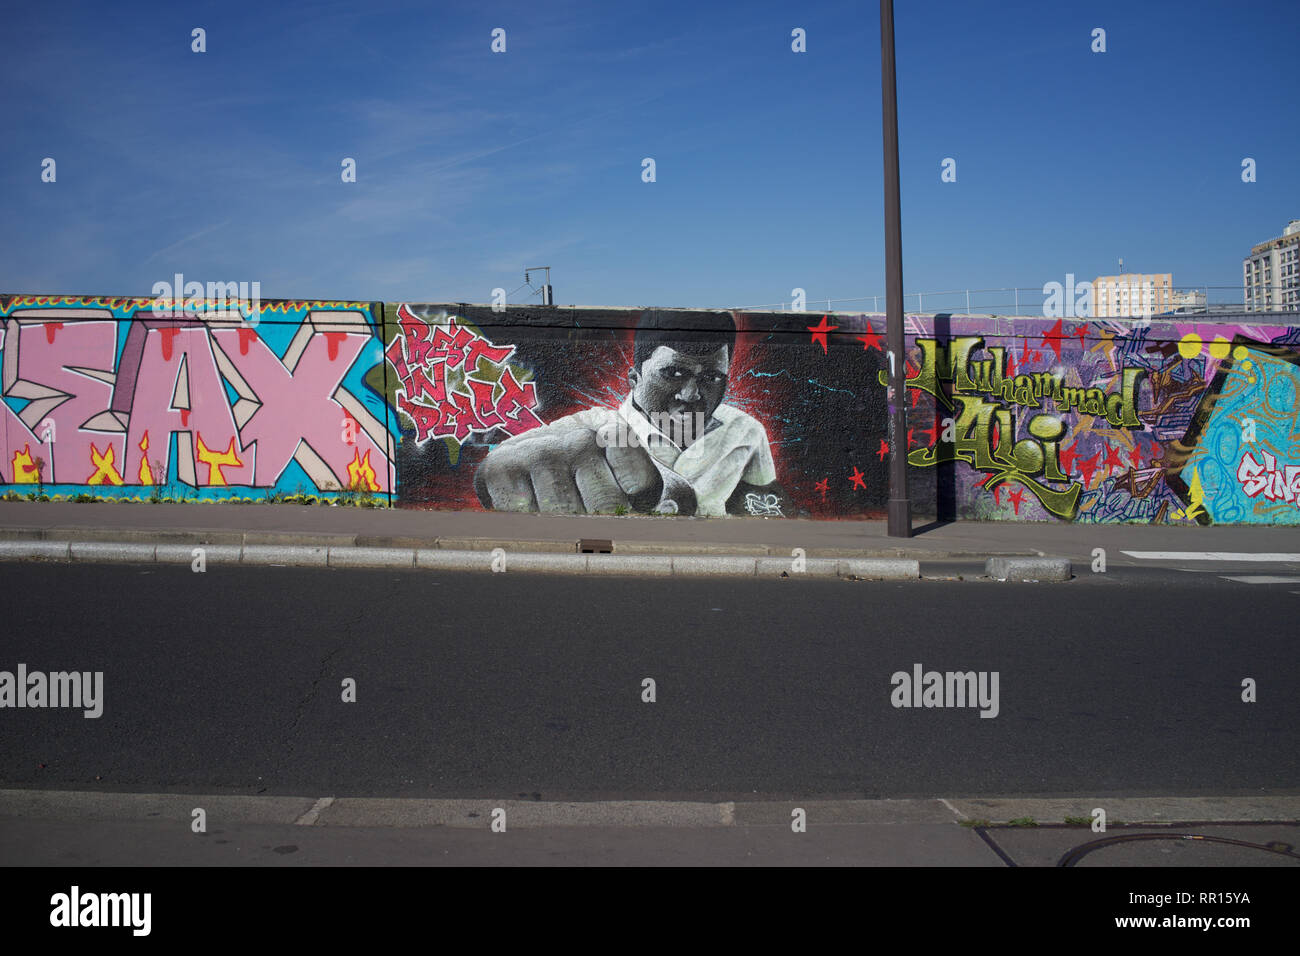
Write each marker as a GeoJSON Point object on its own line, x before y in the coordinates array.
{"type": "Point", "coordinates": [884, 449]}
{"type": "Point", "coordinates": [1081, 333]}
{"type": "Point", "coordinates": [1067, 457]}
{"type": "Point", "coordinates": [1112, 459]}
{"type": "Point", "coordinates": [1016, 497]}
{"type": "Point", "coordinates": [819, 332]}
{"type": "Point", "coordinates": [823, 486]}
{"type": "Point", "coordinates": [1054, 337]}
{"type": "Point", "coordinates": [871, 340]}
{"type": "Point", "coordinates": [1087, 467]}
{"type": "Point", "coordinates": [1135, 456]}
{"type": "Point", "coordinates": [858, 479]}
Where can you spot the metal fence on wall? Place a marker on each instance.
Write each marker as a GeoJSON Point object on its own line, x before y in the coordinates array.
{"type": "Point", "coordinates": [1189, 300]}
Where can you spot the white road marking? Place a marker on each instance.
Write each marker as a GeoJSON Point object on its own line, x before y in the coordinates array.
{"type": "Point", "coordinates": [309, 818]}
{"type": "Point", "coordinates": [1213, 555]}
{"type": "Point", "coordinates": [1263, 579]}
{"type": "Point", "coordinates": [953, 809]}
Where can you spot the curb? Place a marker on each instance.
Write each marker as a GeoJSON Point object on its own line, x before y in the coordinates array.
{"type": "Point", "coordinates": [173, 536]}
{"type": "Point", "coordinates": [1020, 569]}
{"type": "Point", "coordinates": [268, 555]}
{"type": "Point", "coordinates": [476, 813]}
{"type": "Point", "coordinates": [1028, 569]}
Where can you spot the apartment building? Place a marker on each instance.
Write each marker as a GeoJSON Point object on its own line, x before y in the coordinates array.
{"type": "Point", "coordinates": [1271, 273]}
{"type": "Point", "coordinates": [1132, 294]}
{"type": "Point", "coordinates": [1188, 300]}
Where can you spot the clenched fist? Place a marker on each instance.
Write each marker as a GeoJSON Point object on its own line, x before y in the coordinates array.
{"type": "Point", "coordinates": [576, 470]}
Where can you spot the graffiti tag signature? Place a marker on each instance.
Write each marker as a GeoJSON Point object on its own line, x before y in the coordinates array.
{"type": "Point", "coordinates": [767, 507]}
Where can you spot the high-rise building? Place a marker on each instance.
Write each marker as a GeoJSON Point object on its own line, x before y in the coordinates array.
{"type": "Point", "coordinates": [1131, 294]}
{"type": "Point", "coordinates": [1271, 273]}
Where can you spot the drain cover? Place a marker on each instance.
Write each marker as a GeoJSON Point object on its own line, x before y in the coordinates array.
{"type": "Point", "coordinates": [595, 546]}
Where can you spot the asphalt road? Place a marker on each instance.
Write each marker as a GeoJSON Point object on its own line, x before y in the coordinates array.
{"type": "Point", "coordinates": [508, 685]}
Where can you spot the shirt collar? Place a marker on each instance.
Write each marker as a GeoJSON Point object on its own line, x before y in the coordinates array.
{"type": "Point", "coordinates": [644, 430]}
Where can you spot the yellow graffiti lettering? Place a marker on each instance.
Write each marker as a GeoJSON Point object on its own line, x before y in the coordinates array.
{"type": "Point", "coordinates": [217, 460]}
{"type": "Point", "coordinates": [105, 471]}
{"type": "Point", "coordinates": [25, 470]}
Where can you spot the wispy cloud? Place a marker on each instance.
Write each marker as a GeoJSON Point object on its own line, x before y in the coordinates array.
{"type": "Point", "coordinates": [185, 240]}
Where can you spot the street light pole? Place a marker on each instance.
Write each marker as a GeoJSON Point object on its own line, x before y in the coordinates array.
{"type": "Point", "coordinates": [900, 506]}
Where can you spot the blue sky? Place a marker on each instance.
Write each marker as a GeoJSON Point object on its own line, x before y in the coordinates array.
{"type": "Point", "coordinates": [472, 165]}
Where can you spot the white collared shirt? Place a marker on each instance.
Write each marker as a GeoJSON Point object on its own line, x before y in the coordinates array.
{"type": "Point", "coordinates": [733, 448]}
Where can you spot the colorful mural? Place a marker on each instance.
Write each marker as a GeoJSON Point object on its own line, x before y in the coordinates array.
{"type": "Point", "coordinates": [781, 414]}
{"type": "Point", "coordinates": [652, 411]}
{"type": "Point", "coordinates": [1112, 421]}
{"type": "Point", "coordinates": [625, 411]}
{"type": "Point", "coordinates": [114, 397]}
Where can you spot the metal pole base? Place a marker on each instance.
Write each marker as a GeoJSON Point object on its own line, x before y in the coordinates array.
{"type": "Point", "coordinates": [900, 517]}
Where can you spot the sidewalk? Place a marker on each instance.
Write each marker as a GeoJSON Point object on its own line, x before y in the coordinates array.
{"type": "Point", "coordinates": [45, 828]}
{"type": "Point", "coordinates": [324, 526]}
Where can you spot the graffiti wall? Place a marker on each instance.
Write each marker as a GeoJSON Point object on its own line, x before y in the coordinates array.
{"type": "Point", "coordinates": [629, 411]}
{"type": "Point", "coordinates": [1096, 421]}
{"type": "Point", "coordinates": [650, 411]}
{"type": "Point", "coordinates": [114, 397]}
{"type": "Point", "coordinates": [786, 414]}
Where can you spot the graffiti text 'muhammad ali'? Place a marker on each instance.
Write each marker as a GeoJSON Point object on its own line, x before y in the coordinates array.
{"type": "Point", "coordinates": [984, 431]}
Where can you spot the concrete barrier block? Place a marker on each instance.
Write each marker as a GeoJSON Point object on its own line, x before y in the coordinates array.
{"type": "Point", "coordinates": [649, 564]}
{"type": "Point", "coordinates": [879, 569]}
{"type": "Point", "coordinates": [1028, 569]}
{"type": "Point", "coordinates": [553, 563]}
{"type": "Point", "coordinates": [436, 559]}
{"type": "Point", "coordinates": [774, 567]}
{"type": "Point", "coordinates": [212, 553]}
{"type": "Point", "coordinates": [348, 557]}
{"type": "Point", "coordinates": [33, 550]}
{"type": "Point", "coordinates": [695, 565]}
{"type": "Point", "coordinates": [116, 552]}
{"type": "Point", "coordinates": [812, 567]}
{"type": "Point", "coordinates": [301, 555]}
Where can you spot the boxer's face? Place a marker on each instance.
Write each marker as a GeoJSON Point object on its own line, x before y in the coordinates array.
{"type": "Point", "coordinates": [685, 389]}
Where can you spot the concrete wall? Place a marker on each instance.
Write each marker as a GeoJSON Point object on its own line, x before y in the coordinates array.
{"type": "Point", "coordinates": [456, 406]}
{"type": "Point", "coordinates": [1046, 419]}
